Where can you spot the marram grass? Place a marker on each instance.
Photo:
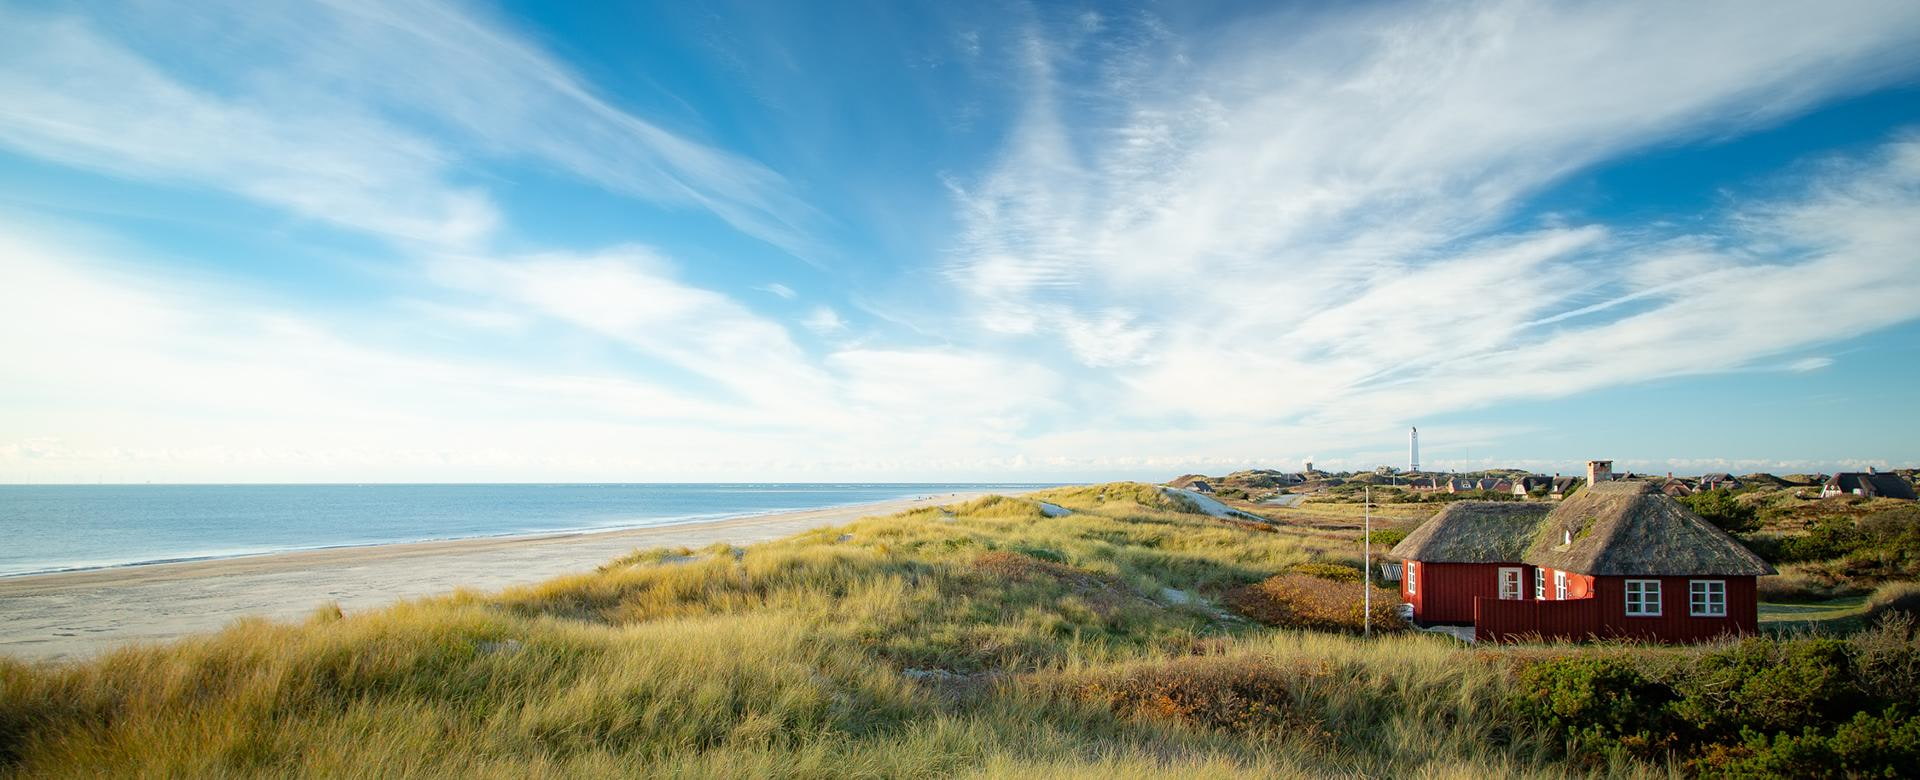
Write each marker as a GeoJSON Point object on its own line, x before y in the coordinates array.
{"type": "Point", "coordinates": [983, 639]}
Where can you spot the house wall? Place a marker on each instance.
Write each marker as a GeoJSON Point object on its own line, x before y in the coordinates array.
{"type": "Point", "coordinates": [1601, 611]}
{"type": "Point", "coordinates": [1446, 590]}
{"type": "Point", "coordinates": [1674, 623]}
{"type": "Point", "coordinates": [1511, 621]}
{"type": "Point", "coordinates": [1579, 586]}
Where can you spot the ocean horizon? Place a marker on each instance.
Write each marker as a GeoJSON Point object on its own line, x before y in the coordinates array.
{"type": "Point", "coordinates": [78, 527]}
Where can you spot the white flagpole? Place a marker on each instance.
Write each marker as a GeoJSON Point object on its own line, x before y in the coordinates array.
{"type": "Point", "coordinates": [1366, 596]}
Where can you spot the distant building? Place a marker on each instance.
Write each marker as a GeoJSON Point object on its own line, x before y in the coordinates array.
{"type": "Point", "coordinates": [1719, 482]}
{"type": "Point", "coordinates": [1527, 485]}
{"type": "Point", "coordinates": [1676, 487]}
{"type": "Point", "coordinates": [1562, 486]}
{"type": "Point", "coordinates": [1869, 484]}
{"type": "Point", "coordinates": [1199, 486]}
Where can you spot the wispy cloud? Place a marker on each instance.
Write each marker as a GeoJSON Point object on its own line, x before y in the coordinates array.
{"type": "Point", "coordinates": [360, 114]}
{"type": "Point", "coordinates": [778, 289]}
{"type": "Point", "coordinates": [1314, 222]}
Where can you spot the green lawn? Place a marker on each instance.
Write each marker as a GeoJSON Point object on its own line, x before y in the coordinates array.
{"type": "Point", "coordinates": [1836, 617]}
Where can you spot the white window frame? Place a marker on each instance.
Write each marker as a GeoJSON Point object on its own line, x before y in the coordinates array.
{"type": "Point", "coordinates": [1413, 577]}
{"type": "Point", "coordinates": [1516, 576]}
{"type": "Point", "coordinates": [1644, 587]}
{"type": "Point", "coordinates": [1559, 586]}
{"type": "Point", "coordinates": [1713, 588]}
{"type": "Point", "coordinates": [1539, 584]}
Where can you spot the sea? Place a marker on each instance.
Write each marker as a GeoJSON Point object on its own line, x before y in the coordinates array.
{"type": "Point", "coordinates": [49, 528]}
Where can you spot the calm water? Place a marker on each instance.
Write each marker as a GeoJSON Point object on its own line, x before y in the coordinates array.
{"type": "Point", "coordinates": [56, 527]}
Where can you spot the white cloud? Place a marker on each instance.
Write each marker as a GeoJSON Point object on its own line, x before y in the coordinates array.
{"type": "Point", "coordinates": [362, 114]}
{"type": "Point", "coordinates": [778, 289]}
{"type": "Point", "coordinates": [1805, 365]}
{"type": "Point", "coordinates": [823, 320]}
{"type": "Point", "coordinates": [1308, 222]}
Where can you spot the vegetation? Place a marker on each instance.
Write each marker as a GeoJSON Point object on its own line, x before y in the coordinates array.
{"type": "Point", "coordinates": [1843, 553]}
{"type": "Point", "coordinates": [1722, 509]}
{"type": "Point", "coordinates": [984, 638]}
{"type": "Point", "coordinates": [1759, 707]}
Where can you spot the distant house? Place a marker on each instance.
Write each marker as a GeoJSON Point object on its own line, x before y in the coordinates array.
{"type": "Point", "coordinates": [1562, 486]}
{"type": "Point", "coordinates": [1454, 485]}
{"type": "Point", "coordinates": [1200, 486]}
{"type": "Point", "coordinates": [1620, 559]}
{"type": "Point", "coordinates": [1527, 485]}
{"type": "Point", "coordinates": [1719, 482]}
{"type": "Point", "coordinates": [1676, 487]}
{"type": "Point", "coordinates": [1870, 484]}
{"type": "Point", "coordinates": [1424, 484]}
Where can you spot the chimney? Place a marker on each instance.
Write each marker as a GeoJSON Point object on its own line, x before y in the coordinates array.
{"type": "Point", "coordinates": [1871, 471]}
{"type": "Point", "coordinates": [1599, 471]}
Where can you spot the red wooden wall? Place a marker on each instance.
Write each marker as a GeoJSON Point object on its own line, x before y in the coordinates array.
{"type": "Point", "coordinates": [1605, 613]}
{"type": "Point", "coordinates": [1446, 591]}
{"type": "Point", "coordinates": [1674, 623]}
{"type": "Point", "coordinates": [1495, 620]}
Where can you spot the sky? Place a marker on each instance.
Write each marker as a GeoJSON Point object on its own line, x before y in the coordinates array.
{"type": "Point", "coordinates": [438, 241]}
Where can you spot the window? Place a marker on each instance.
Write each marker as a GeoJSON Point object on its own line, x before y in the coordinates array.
{"type": "Point", "coordinates": [1413, 577]}
{"type": "Point", "coordinates": [1539, 584]}
{"type": "Point", "coordinates": [1510, 584]}
{"type": "Point", "coordinates": [1566, 538]}
{"type": "Point", "coordinates": [1707, 598]}
{"type": "Point", "coordinates": [1560, 586]}
{"type": "Point", "coordinates": [1643, 598]}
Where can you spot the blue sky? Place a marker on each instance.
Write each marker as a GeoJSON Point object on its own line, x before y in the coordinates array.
{"type": "Point", "coordinates": [450, 241]}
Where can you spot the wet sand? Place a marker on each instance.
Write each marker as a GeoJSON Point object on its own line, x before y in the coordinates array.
{"type": "Point", "coordinates": [77, 614]}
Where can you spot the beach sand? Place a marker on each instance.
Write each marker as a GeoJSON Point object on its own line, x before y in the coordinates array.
{"type": "Point", "coordinates": [77, 614]}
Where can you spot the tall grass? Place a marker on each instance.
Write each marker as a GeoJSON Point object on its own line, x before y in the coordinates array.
{"type": "Point", "coordinates": [983, 638]}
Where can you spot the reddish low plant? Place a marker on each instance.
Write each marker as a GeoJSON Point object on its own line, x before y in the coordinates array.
{"type": "Point", "coordinates": [1305, 601]}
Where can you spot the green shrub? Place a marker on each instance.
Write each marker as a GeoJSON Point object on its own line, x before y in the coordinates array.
{"type": "Point", "coordinates": [1386, 538]}
{"type": "Point", "coordinates": [1720, 508]}
{"type": "Point", "coordinates": [1868, 745]}
{"type": "Point", "coordinates": [1604, 702]}
{"type": "Point", "coordinates": [1768, 685]}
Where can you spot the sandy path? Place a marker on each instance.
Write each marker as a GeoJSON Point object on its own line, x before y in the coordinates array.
{"type": "Point", "coordinates": [75, 614]}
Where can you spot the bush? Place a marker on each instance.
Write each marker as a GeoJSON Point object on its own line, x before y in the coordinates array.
{"type": "Point", "coordinates": [1604, 702]}
{"type": "Point", "coordinates": [1720, 508]}
{"type": "Point", "coordinates": [1386, 538]}
{"type": "Point", "coordinates": [1869, 745]}
{"type": "Point", "coordinates": [1306, 601]}
{"type": "Point", "coordinates": [1327, 571]}
{"type": "Point", "coordinates": [1234, 694]}
{"type": "Point", "coordinates": [1768, 685]}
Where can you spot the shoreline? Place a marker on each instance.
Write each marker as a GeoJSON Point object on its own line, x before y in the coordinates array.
{"type": "Point", "coordinates": [80, 612]}
{"type": "Point", "coordinates": [671, 522]}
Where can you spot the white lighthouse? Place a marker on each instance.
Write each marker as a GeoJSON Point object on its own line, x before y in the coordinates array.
{"type": "Point", "coordinates": [1413, 449]}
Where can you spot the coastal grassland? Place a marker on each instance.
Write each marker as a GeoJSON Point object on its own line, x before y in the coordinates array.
{"type": "Point", "coordinates": [981, 639]}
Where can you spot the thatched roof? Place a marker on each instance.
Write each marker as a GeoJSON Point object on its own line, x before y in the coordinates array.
{"type": "Point", "coordinates": [1632, 528]}
{"type": "Point", "coordinates": [1474, 532]}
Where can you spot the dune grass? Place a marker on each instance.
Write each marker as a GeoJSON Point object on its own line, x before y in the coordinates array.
{"type": "Point", "coordinates": [982, 639]}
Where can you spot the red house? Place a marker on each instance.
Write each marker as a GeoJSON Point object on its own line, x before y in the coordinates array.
{"type": "Point", "coordinates": [1618, 559]}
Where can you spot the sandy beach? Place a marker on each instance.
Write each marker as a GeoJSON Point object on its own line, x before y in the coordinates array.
{"type": "Point", "coordinates": [76, 614]}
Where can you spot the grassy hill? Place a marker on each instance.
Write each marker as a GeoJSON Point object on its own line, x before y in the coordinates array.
{"type": "Point", "coordinates": [985, 639]}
